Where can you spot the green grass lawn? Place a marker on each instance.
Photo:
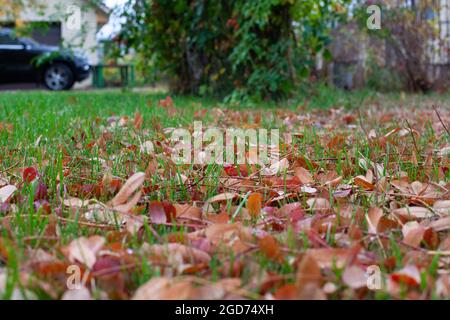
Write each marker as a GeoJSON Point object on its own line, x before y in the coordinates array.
{"type": "Point", "coordinates": [361, 151]}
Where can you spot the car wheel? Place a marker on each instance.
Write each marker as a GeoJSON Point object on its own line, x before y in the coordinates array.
{"type": "Point", "coordinates": [58, 77]}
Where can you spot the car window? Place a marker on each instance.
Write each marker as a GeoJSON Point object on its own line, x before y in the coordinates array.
{"type": "Point", "coordinates": [7, 39]}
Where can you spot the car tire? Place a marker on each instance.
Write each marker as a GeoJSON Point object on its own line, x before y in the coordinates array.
{"type": "Point", "coordinates": [58, 76]}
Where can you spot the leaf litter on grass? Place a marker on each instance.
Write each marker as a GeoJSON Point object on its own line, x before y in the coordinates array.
{"type": "Point", "coordinates": [347, 195]}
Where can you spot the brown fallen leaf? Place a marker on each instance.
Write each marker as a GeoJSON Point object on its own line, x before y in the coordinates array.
{"type": "Point", "coordinates": [413, 213]}
{"type": "Point", "coordinates": [373, 219]}
{"type": "Point", "coordinates": [277, 167]}
{"type": "Point", "coordinates": [171, 250]}
{"type": "Point", "coordinates": [365, 182]}
{"type": "Point", "coordinates": [440, 224]}
{"type": "Point", "coordinates": [354, 277]}
{"type": "Point", "coordinates": [221, 232]}
{"type": "Point", "coordinates": [308, 280]}
{"type": "Point", "coordinates": [303, 175]}
{"type": "Point", "coordinates": [156, 289]}
{"type": "Point", "coordinates": [413, 233]}
{"type": "Point", "coordinates": [254, 204]}
{"type": "Point", "coordinates": [84, 250]}
{"type": "Point", "coordinates": [128, 189]}
{"type": "Point", "coordinates": [218, 198]}
{"type": "Point", "coordinates": [187, 211]}
{"type": "Point", "coordinates": [329, 257]}
{"type": "Point", "coordinates": [442, 207]}
{"type": "Point", "coordinates": [318, 204]}
{"type": "Point", "coordinates": [269, 246]}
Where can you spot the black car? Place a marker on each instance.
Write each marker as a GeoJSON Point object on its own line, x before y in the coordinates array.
{"type": "Point", "coordinates": [24, 60]}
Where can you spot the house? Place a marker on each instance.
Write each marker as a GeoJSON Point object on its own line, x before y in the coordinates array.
{"type": "Point", "coordinates": [73, 23]}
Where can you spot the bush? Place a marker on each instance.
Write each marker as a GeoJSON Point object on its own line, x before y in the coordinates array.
{"type": "Point", "coordinates": [234, 48]}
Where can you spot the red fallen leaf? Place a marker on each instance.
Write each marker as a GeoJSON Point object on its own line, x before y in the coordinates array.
{"type": "Point", "coordinates": [230, 170]}
{"type": "Point", "coordinates": [44, 205]}
{"type": "Point", "coordinates": [296, 215]}
{"type": "Point", "coordinates": [270, 247]}
{"type": "Point", "coordinates": [115, 184]}
{"type": "Point", "coordinates": [29, 174]}
{"type": "Point", "coordinates": [166, 103]}
{"type": "Point", "coordinates": [169, 210]}
{"type": "Point", "coordinates": [90, 144]}
{"type": "Point", "coordinates": [431, 238]}
{"type": "Point", "coordinates": [349, 118]}
{"type": "Point", "coordinates": [293, 211]}
{"type": "Point", "coordinates": [286, 292]}
{"type": "Point", "coordinates": [337, 142]}
{"type": "Point", "coordinates": [254, 204]}
{"type": "Point", "coordinates": [409, 275]}
{"type": "Point", "coordinates": [89, 190]}
{"type": "Point", "coordinates": [41, 192]}
{"type": "Point", "coordinates": [107, 265]}
{"type": "Point", "coordinates": [157, 213]}
{"type": "Point", "coordinates": [52, 268]}
{"type": "Point", "coordinates": [138, 120]}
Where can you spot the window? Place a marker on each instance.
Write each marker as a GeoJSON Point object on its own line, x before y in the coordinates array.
{"type": "Point", "coordinates": [7, 39]}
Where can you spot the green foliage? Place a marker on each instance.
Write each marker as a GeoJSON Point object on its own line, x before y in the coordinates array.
{"type": "Point", "coordinates": [234, 48]}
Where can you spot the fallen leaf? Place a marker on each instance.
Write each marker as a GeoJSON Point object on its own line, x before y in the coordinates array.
{"type": "Point", "coordinates": [29, 174]}
{"type": "Point", "coordinates": [354, 277]}
{"type": "Point", "coordinates": [77, 294]}
{"type": "Point", "coordinates": [128, 189]}
{"type": "Point", "coordinates": [6, 192]}
{"type": "Point", "coordinates": [319, 204]}
{"type": "Point", "coordinates": [254, 204]}
{"type": "Point", "coordinates": [408, 275]}
{"type": "Point", "coordinates": [270, 247]}
{"type": "Point", "coordinates": [413, 233]}
{"type": "Point", "coordinates": [84, 250]}
{"type": "Point", "coordinates": [413, 213]}
{"type": "Point", "coordinates": [303, 175]}
{"type": "Point", "coordinates": [218, 198]}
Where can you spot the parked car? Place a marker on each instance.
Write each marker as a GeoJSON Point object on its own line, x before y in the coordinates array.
{"type": "Point", "coordinates": [25, 60]}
